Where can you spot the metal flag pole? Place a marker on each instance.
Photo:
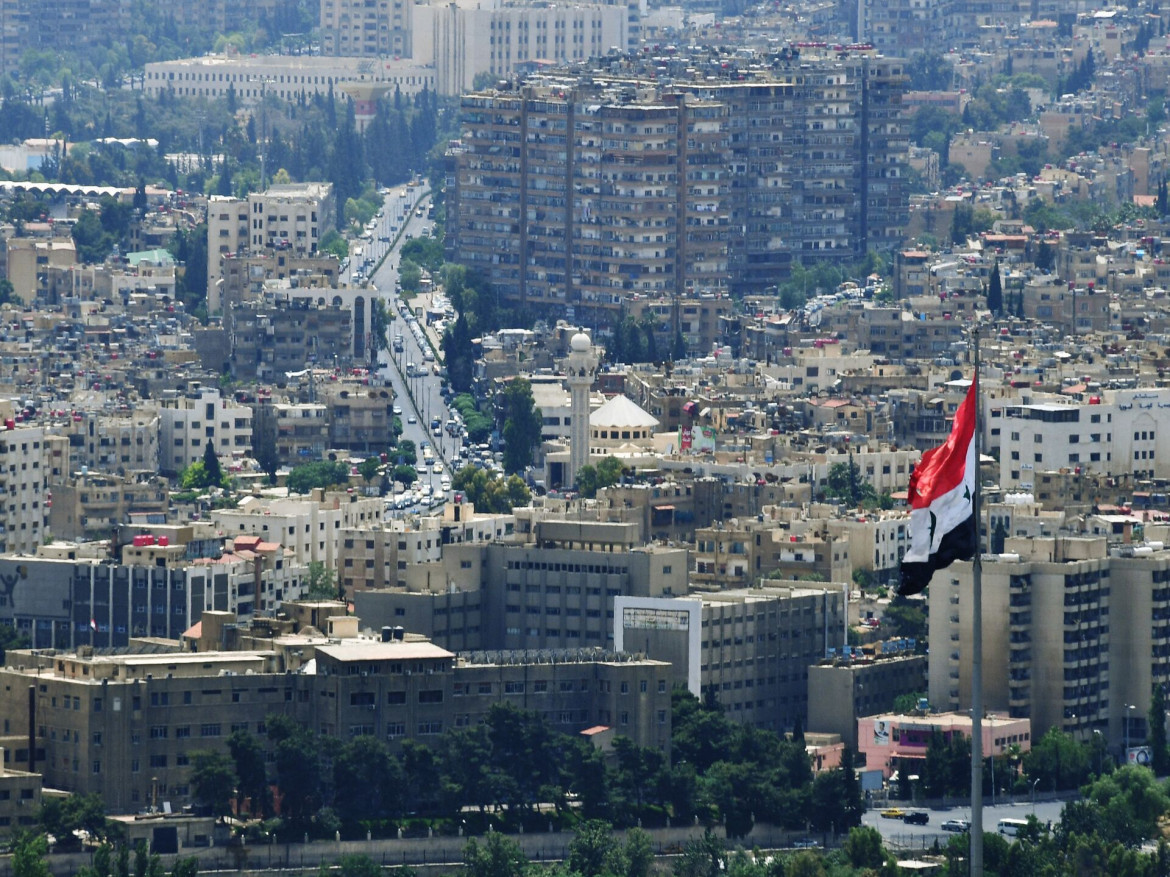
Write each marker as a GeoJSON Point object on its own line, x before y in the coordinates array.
{"type": "Point", "coordinates": [977, 644]}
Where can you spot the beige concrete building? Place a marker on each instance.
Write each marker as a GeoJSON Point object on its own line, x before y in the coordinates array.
{"type": "Point", "coordinates": [29, 263]}
{"type": "Point", "coordinates": [125, 726]}
{"type": "Point", "coordinates": [201, 416]}
{"type": "Point", "coordinates": [751, 649]}
{"type": "Point", "coordinates": [91, 505]}
{"type": "Point", "coordinates": [843, 690]}
{"type": "Point", "coordinates": [20, 797]}
{"type": "Point", "coordinates": [372, 29]}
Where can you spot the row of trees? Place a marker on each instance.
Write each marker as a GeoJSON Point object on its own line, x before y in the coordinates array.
{"type": "Point", "coordinates": [514, 769]}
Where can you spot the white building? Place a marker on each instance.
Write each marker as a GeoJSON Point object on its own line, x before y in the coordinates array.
{"type": "Point", "coordinates": [188, 423]}
{"type": "Point", "coordinates": [372, 28]}
{"type": "Point", "coordinates": [310, 527]}
{"type": "Point", "coordinates": [1115, 436]}
{"type": "Point", "coordinates": [289, 77]}
{"type": "Point", "coordinates": [287, 217]}
{"type": "Point", "coordinates": [23, 490]}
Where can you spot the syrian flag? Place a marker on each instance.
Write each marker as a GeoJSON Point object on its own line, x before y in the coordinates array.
{"type": "Point", "coordinates": [942, 503]}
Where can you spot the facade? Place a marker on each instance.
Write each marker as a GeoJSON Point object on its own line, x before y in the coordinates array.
{"type": "Point", "coordinates": [644, 199]}
{"type": "Point", "coordinates": [751, 649]}
{"type": "Point", "coordinates": [843, 691]}
{"type": "Point", "coordinates": [463, 40]}
{"type": "Point", "coordinates": [201, 416]}
{"type": "Point", "coordinates": [367, 29]}
{"type": "Point", "coordinates": [123, 442]}
{"type": "Point", "coordinates": [63, 604]}
{"type": "Point", "coordinates": [125, 726]}
{"type": "Point", "coordinates": [24, 493]}
{"type": "Point", "coordinates": [20, 798]}
{"type": "Point", "coordinates": [889, 742]}
{"type": "Point", "coordinates": [289, 77]}
{"type": "Point", "coordinates": [1058, 675]}
{"type": "Point", "coordinates": [269, 338]}
{"type": "Point", "coordinates": [91, 505]}
{"type": "Point", "coordinates": [1115, 434]}
{"type": "Point", "coordinates": [310, 526]}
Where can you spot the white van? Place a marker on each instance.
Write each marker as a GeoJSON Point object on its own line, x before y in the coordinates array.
{"type": "Point", "coordinates": [1012, 827]}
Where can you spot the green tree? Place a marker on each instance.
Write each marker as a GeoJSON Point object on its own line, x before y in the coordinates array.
{"type": "Point", "coordinates": [496, 856]}
{"type": "Point", "coordinates": [593, 850]}
{"type": "Point", "coordinates": [251, 774]}
{"type": "Point", "coordinates": [61, 817]}
{"type": "Point", "coordinates": [522, 425]}
{"type": "Point", "coordinates": [606, 473]}
{"type": "Point", "coordinates": [1057, 761]}
{"type": "Point", "coordinates": [213, 780]}
{"type": "Point", "coordinates": [845, 483]}
{"type": "Point", "coordinates": [995, 291]}
{"type": "Point", "coordinates": [863, 847]}
{"type": "Point", "coordinates": [368, 468]}
{"type": "Point", "coordinates": [10, 638]}
{"type": "Point", "coordinates": [28, 856]}
{"type": "Point", "coordinates": [322, 582]}
{"type": "Point", "coordinates": [405, 474]}
{"type": "Point", "coordinates": [366, 778]}
{"type": "Point", "coordinates": [358, 865]}
{"type": "Point", "coordinates": [303, 479]}
{"type": "Point", "coordinates": [298, 769]}
{"type": "Point", "coordinates": [215, 475]}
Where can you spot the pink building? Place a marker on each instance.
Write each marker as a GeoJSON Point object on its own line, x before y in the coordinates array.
{"type": "Point", "coordinates": [883, 740]}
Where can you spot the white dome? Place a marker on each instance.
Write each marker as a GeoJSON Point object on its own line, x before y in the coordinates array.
{"type": "Point", "coordinates": [580, 343]}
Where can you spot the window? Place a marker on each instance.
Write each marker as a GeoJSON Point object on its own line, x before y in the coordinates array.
{"type": "Point", "coordinates": [396, 697]}
{"type": "Point", "coordinates": [210, 730]}
{"type": "Point", "coordinates": [431, 696]}
{"type": "Point", "coordinates": [158, 761]}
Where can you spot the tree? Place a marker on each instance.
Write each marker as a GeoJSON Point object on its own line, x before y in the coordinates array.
{"type": "Point", "coordinates": [844, 483]}
{"type": "Point", "coordinates": [302, 479]}
{"type": "Point", "coordinates": [995, 291]}
{"type": "Point", "coordinates": [366, 778]}
{"type": "Point", "coordinates": [322, 582]}
{"type": "Point", "coordinates": [405, 474]}
{"type": "Point", "coordinates": [1057, 761]}
{"type": "Point", "coordinates": [11, 639]}
{"type": "Point", "coordinates": [77, 813]}
{"type": "Point", "coordinates": [298, 768]}
{"type": "Point", "coordinates": [251, 774]}
{"type": "Point", "coordinates": [522, 425]}
{"type": "Point", "coordinates": [28, 856]}
{"type": "Point", "coordinates": [368, 468]}
{"type": "Point", "coordinates": [592, 849]}
{"type": "Point", "coordinates": [606, 473]}
{"type": "Point", "coordinates": [496, 856]}
{"type": "Point", "coordinates": [213, 780]}
{"type": "Point", "coordinates": [1157, 735]}
{"type": "Point", "coordinates": [211, 465]}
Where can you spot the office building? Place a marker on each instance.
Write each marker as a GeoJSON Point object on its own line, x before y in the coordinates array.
{"type": "Point", "coordinates": [843, 689]}
{"type": "Point", "coordinates": [125, 726]}
{"type": "Point", "coordinates": [751, 648]}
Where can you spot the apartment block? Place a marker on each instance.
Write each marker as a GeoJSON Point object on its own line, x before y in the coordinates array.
{"type": "Point", "coordinates": [92, 505]}
{"type": "Point", "coordinates": [1051, 661]}
{"type": "Point", "coordinates": [371, 28]}
{"type": "Point", "coordinates": [589, 195]}
{"type": "Point", "coordinates": [310, 526]}
{"type": "Point", "coordinates": [127, 441]}
{"type": "Point", "coordinates": [24, 495]}
{"type": "Point", "coordinates": [271, 337]}
{"type": "Point", "coordinates": [1115, 434]}
{"type": "Point", "coordinates": [201, 416]}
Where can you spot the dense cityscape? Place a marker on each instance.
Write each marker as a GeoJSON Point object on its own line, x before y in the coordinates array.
{"type": "Point", "coordinates": [478, 438]}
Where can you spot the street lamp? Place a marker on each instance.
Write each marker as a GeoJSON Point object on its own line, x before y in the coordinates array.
{"type": "Point", "coordinates": [1034, 785]}
{"type": "Point", "coordinates": [1099, 744]}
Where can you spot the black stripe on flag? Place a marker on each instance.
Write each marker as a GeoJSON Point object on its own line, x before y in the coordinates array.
{"type": "Point", "coordinates": [958, 544]}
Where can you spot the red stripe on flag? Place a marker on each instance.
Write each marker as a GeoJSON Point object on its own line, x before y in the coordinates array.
{"type": "Point", "coordinates": [941, 469]}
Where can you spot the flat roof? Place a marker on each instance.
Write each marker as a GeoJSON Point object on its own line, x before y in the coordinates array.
{"type": "Point", "coordinates": [373, 650]}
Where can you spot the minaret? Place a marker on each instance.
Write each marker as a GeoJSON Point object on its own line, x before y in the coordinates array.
{"type": "Point", "coordinates": [580, 372]}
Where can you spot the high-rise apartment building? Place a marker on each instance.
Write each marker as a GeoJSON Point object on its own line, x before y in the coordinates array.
{"type": "Point", "coordinates": [377, 28]}
{"type": "Point", "coordinates": [201, 417]}
{"type": "Point", "coordinates": [585, 193]}
{"type": "Point", "coordinates": [1085, 638]}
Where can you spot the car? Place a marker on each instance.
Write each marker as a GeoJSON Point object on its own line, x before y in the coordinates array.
{"type": "Point", "coordinates": [956, 825]}
{"type": "Point", "coordinates": [806, 843]}
{"type": "Point", "coordinates": [397, 409]}
{"type": "Point", "coordinates": [916, 817]}
{"type": "Point", "coordinates": [412, 419]}
{"type": "Point", "coordinates": [437, 468]}
{"type": "Point", "coordinates": [893, 813]}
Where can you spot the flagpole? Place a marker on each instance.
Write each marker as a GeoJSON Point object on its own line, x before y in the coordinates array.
{"type": "Point", "coordinates": [977, 644]}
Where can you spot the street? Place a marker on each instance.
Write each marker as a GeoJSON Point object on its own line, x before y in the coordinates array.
{"type": "Point", "coordinates": [900, 834]}
{"type": "Point", "coordinates": [416, 385]}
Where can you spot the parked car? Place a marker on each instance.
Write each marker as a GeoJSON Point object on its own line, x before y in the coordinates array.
{"type": "Point", "coordinates": [916, 817]}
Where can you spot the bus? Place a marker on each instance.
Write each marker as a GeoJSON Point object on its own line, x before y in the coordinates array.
{"type": "Point", "coordinates": [1012, 827]}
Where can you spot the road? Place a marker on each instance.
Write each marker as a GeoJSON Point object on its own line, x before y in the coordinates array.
{"type": "Point", "coordinates": [922, 836]}
{"type": "Point", "coordinates": [417, 389]}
